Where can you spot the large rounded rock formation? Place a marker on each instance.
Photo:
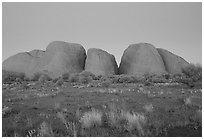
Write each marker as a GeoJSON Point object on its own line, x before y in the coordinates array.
{"type": "Point", "coordinates": [141, 58]}
{"type": "Point", "coordinates": [59, 57]}
{"type": "Point", "coordinates": [172, 62]}
{"type": "Point", "coordinates": [100, 62]}
{"type": "Point", "coordinates": [18, 63]}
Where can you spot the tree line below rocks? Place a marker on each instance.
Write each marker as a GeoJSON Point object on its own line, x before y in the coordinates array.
{"type": "Point", "coordinates": [191, 75]}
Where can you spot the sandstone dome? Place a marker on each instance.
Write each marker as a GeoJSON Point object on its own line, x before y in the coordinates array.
{"type": "Point", "coordinates": [60, 57]}
{"type": "Point", "coordinates": [141, 58]}
{"type": "Point", "coordinates": [100, 62]}
{"type": "Point", "coordinates": [172, 62]}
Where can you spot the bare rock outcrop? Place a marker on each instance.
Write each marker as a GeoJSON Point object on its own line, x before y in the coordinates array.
{"type": "Point", "coordinates": [62, 57]}
{"type": "Point", "coordinates": [100, 62]}
{"type": "Point", "coordinates": [172, 62]}
{"type": "Point", "coordinates": [59, 57]}
{"type": "Point", "coordinates": [141, 58]}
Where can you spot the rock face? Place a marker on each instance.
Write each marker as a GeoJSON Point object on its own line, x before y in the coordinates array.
{"type": "Point", "coordinates": [172, 62]}
{"type": "Point", "coordinates": [62, 57]}
{"type": "Point", "coordinates": [59, 57]}
{"type": "Point", "coordinates": [141, 58]}
{"type": "Point", "coordinates": [18, 63]}
{"type": "Point", "coordinates": [100, 62]}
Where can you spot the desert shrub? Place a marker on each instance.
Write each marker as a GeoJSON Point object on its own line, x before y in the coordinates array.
{"type": "Point", "coordinates": [115, 79]}
{"type": "Point", "coordinates": [176, 78]}
{"type": "Point", "coordinates": [127, 79]}
{"type": "Point", "coordinates": [147, 83]}
{"type": "Point", "coordinates": [43, 78]}
{"type": "Point", "coordinates": [106, 84]}
{"type": "Point", "coordinates": [166, 76]}
{"type": "Point", "coordinates": [85, 79]}
{"type": "Point", "coordinates": [26, 79]}
{"type": "Point", "coordinates": [91, 118]}
{"type": "Point", "coordinates": [87, 74]}
{"type": "Point", "coordinates": [21, 76]}
{"type": "Point", "coordinates": [74, 77]}
{"type": "Point", "coordinates": [97, 77]}
{"type": "Point", "coordinates": [157, 79]}
{"type": "Point", "coordinates": [194, 72]}
{"type": "Point", "coordinates": [191, 75]}
{"type": "Point", "coordinates": [65, 76]}
{"type": "Point", "coordinates": [36, 76]}
{"type": "Point", "coordinates": [8, 76]}
{"type": "Point", "coordinates": [103, 78]}
{"type": "Point", "coordinates": [25, 85]}
{"type": "Point", "coordinates": [59, 82]}
{"type": "Point", "coordinates": [55, 80]}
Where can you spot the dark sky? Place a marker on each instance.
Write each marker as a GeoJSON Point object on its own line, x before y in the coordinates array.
{"type": "Point", "coordinates": [176, 27]}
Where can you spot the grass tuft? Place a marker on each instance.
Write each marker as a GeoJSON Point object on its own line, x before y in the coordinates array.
{"type": "Point", "coordinates": [135, 121]}
{"type": "Point", "coordinates": [92, 118]}
{"type": "Point", "coordinates": [45, 130]}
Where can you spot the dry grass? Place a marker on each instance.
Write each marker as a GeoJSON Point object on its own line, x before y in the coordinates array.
{"type": "Point", "coordinates": [188, 101]}
{"type": "Point", "coordinates": [92, 118]}
{"type": "Point", "coordinates": [45, 130]}
{"type": "Point", "coordinates": [61, 116]}
{"type": "Point", "coordinates": [70, 126]}
{"type": "Point", "coordinates": [148, 108]}
{"type": "Point", "coordinates": [120, 117]}
{"type": "Point", "coordinates": [114, 115]}
{"type": "Point", "coordinates": [134, 121]}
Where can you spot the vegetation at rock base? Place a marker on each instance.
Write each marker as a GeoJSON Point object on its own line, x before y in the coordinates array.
{"type": "Point", "coordinates": [87, 105]}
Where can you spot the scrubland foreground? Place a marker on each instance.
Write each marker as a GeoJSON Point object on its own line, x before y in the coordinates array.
{"type": "Point", "coordinates": [87, 105]}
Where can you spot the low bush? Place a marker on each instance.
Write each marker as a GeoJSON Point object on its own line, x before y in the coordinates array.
{"type": "Point", "coordinates": [127, 79]}
{"type": "Point", "coordinates": [104, 78]}
{"type": "Point", "coordinates": [158, 79]}
{"type": "Point", "coordinates": [97, 77]}
{"type": "Point", "coordinates": [8, 76]}
{"type": "Point", "coordinates": [176, 78]}
{"type": "Point", "coordinates": [65, 76]}
{"type": "Point", "coordinates": [106, 83]}
{"type": "Point", "coordinates": [87, 74]}
{"type": "Point", "coordinates": [43, 78]}
{"type": "Point", "coordinates": [191, 75]}
{"type": "Point", "coordinates": [85, 79]}
{"type": "Point", "coordinates": [193, 71]}
{"type": "Point", "coordinates": [36, 76]}
{"type": "Point", "coordinates": [59, 82]}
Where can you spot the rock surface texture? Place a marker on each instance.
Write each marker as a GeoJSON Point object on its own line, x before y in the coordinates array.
{"type": "Point", "coordinates": [62, 57]}
{"type": "Point", "coordinates": [59, 57]}
{"type": "Point", "coordinates": [141, 58]}
{"type": "Point", "coordinates": [172, 62]}
{"type": "Point", "coordinates": [100, 62]}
